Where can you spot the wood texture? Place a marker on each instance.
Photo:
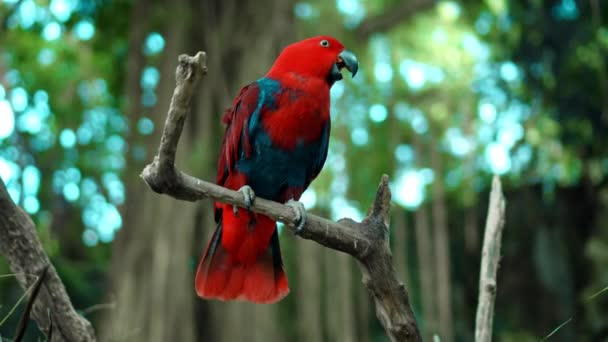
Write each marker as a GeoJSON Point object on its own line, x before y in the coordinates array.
{"type": "Point", "coordinates": [20, 245]}
{"type": "Point", "coordinates": [489, 263]}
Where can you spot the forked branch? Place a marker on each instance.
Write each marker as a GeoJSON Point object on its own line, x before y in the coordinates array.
{"type": "Point", "coordinates": [366, 241]}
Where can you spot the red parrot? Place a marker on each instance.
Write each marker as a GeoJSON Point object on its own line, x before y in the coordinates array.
{"type": "Point", "coordinates": [275, 144]}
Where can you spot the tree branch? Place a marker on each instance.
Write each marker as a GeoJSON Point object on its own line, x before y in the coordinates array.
{"type": "Point", "coordinates": [392, 17]}
{"type": "Point", "coordinates": [489, 263]}
{"type": "Point", "coordinates": [366, 241]}
{"type": "Point", "coordinates": [20, 245]}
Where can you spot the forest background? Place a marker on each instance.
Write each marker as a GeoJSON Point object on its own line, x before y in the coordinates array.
{"type": "Point", "coordinates": [448, 93]}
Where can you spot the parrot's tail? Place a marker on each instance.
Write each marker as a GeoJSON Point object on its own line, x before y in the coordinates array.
{"type": "Point", "coordinates": [243, 260]}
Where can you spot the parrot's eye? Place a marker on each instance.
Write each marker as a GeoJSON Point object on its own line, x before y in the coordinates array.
{"type": "Point", "coordinates": [325, 43]}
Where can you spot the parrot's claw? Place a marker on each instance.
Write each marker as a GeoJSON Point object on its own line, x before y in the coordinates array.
{"type": "Point", "coordinates": [248, 196]}
{"type": "Point", "coordinates": [300, 211]}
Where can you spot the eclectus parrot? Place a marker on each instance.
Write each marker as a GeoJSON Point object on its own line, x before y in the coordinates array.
{"type": "Point", "coordinates": [275, 144]}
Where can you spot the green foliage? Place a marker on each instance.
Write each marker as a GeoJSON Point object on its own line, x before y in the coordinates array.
{"type": "Point", "coordinates": [517, 88]}
{"type": "Point", "coordinates": [72, 85]}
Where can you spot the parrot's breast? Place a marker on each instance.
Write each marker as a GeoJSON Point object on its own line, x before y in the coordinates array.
{"type": "Point", "coordinates": [298, 112]}
{"type": "Point", "coordinates": [291, 141]}
{"type": "Point", "coordinates": [271, 170]}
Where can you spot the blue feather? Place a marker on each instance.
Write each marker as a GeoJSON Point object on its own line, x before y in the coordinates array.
{"type": "Point", "coordinates": [268, 90]}
{"type": "Point", "coordinates": [272, 170]}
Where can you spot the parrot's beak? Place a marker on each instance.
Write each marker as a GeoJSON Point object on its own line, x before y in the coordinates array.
{"type": "Point", "coordinates": [348, 60]}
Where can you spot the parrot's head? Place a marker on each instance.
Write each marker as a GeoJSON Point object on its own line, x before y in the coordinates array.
{"type": "Point", "coordinates": [322, 57]}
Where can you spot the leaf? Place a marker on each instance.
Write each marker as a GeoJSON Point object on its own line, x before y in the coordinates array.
{"type": "Point", "coordinates": [597, 293]}
{"type": "Point", "coordinates": [15, 306]}
{"type": "Point", "coordinates": [570, 319]}
{"type": "Point", "coordinates": [556, 329]}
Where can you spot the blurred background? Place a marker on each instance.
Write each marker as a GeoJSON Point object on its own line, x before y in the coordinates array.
{"type": "Point", "coordinates": [449, 93]}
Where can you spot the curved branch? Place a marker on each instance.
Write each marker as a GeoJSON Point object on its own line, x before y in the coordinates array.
{"type": "Point", "coordinates": [21, 246]}
{"type": "Point", "coordinates": [392, 17]}
{"type": "Point", "coordinates": [367, 241]}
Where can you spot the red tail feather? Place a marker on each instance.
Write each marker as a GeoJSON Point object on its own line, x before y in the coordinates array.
{"type": "Point", "coordinates": [243, 260]}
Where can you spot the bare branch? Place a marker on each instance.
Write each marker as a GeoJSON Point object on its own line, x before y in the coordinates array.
{"type": "Point", "coordinates": [366, 241]}
{"type": "Point", "coordinates": [20, 245]}
{"type": "Point", "coordinates": [392, 17]}
{"type": "Point", "coordinates": [489, 263]}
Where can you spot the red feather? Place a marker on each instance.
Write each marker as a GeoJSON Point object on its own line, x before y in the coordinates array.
{"type": "Point", "coordinates": [235, 119]}
{"type": "Point", "coordinates": [242, 260]}
{"type": "Point", "coordinates": [241, 264]}
{"type": "Point", "coordinates": [296, 117]}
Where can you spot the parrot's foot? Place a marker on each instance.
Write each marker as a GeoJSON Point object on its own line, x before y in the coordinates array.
{"type": "Point", "coordinates": [249, 197]}
{"type": "Point", "coordinates": [298, 207]}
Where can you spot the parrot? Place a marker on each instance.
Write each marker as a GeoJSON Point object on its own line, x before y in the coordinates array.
{"type": "Point", "coordinates": [275, 144]}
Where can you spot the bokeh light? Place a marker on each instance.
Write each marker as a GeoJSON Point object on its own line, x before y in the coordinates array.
{"type": "Point", "coordinates": [353, 10]}
{"type": "Point", "coordinates": [145, 126]}
{"type": "Point", "coordinates": [498, 159]}
{"type": "Point", "coordinates": [309, 198]}
{"type": "Point", "coordinates": [27, 14]}
{"type": "Point", "coordinates": [150, 77]}
{"type": "Point", "coordinates": [67, 138]}
{"type": "Point", "coordinates": [404, 153]}
{"type": "Point", "coordinates": [378, 112]}
{"type": "Point", "coordinates": [52, 31]}
{"type": "Point", "coordinates": [71, 192]}
{"type": "Point", "coordinates": [84, 30]}
{"type": "Point", "coordinates": [360, 136]}
{"type": "Point", "coordinates": [30, 179]}
{"type": "Point", "coordinates": [487, 112]}
{"type": "Point", "coordinates": [46, 56]}
{"type": "Point", "coordinates": [409, 188]}
{"type": "Point", "coordinates": [61, 9]}
{"type": "Point", "coordinates": [383, 72]}
{"type": "Point", "coordinates": [155, 43]}
{"type": "Point", "coordinates": [31, 204]}
{"type": "Point", "coordinates": [19, 99]}
{"type": "Point", "coordinates": [7, 118]}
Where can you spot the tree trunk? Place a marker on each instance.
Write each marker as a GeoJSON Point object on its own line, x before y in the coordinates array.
{"type": "Point", "coordinates": [426, 260]}
{"type": "Point", "coordinates": [471, 231]}
{"type": "Point", "coordinates": [339, 311]}
{"type": "Point", "coordinates": [426, 267]}
{"type": "Point", "coordinates": [364, 313]}
{"type": "Point", "coordinates": [347, 314]}
{"type": "Point", "coordinates": [442, 249]}
{"type": "Point", "coordinates": [309, 289]}
{"type": "Point", "coordinates": [156, 253]}
{"type": "Point", "coordinates": [151, 278]}
{"type": "Point", "coordinates": [399, 225]}
{"type": "Point", "coordinates": [400, 244]}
